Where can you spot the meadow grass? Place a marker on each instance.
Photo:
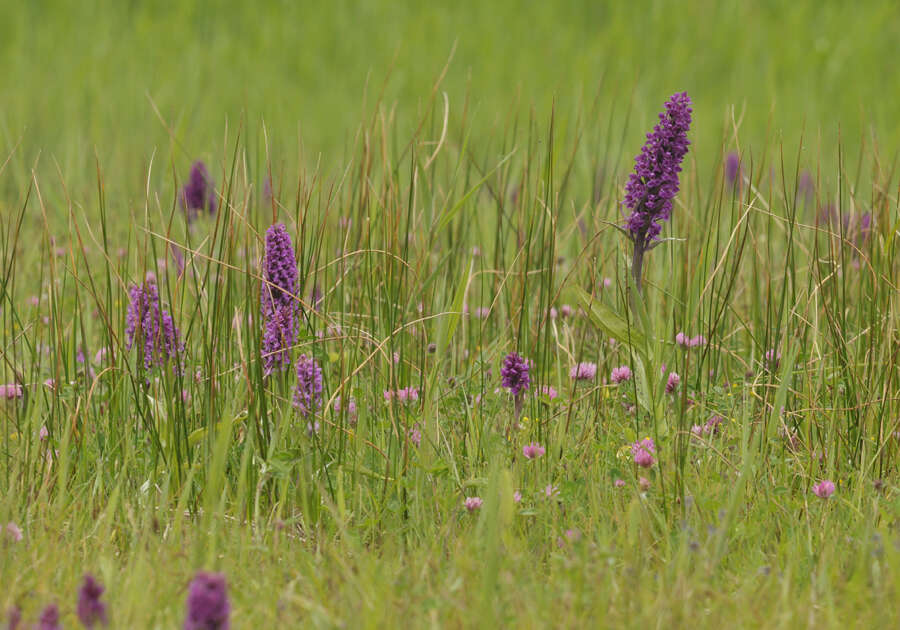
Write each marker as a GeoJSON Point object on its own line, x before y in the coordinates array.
{"type": "Point", "coordinates": [445, 225]}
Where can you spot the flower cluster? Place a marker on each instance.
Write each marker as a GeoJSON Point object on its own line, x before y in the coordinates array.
{"type": "Point", "coordinates": [278, 305]}
{"type": "Point", "coordinates": [151, 326]}
{"type": "Point", "coordinates": [198, 193]}
{"type": "Point", "coordinates": [208, 607]}
{"type": "Point", "coordinates": [515, 373]}
{"type": "Point", "coordinates": [308, 392]}
{"type": "Point", "coordinates": [620, 374]}
{"type": "Point", "coordinates": [533, 450]}
{"type": "Point", "coordinates": [654, 183]}
{"type": "Point", "coordinates": [583, 372]}
{"type": "Point", "coordinates": [644, 452]}
{"type": "Point", "coordinates": [403, 395]}
{"type": "Point", "coordinates": [690, 342]}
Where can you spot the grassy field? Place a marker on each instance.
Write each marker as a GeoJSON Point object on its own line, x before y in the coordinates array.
{"type": "Point", "coordinates": [451, 181]}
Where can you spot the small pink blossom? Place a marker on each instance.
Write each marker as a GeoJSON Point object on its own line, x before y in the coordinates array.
{"type": "Point", "coordinates": [551, 491]}
{"type": "Point", "coordinates": [11, 390]}
{"type": "Point", "coordinates": [823, 489]}
{"type": "Point", "coordinates": [43, 434]}
{"type": "Point", "coordinates": [644, 483]}
{"type": "Point", "coordinates": [619, 483]}
{"type": "Point", "coordinates": [643, 452]}
{"type": "Point", "coordinates": [517, 496]}
{"type": "Point", "coordinates": [533, 450]}
{"type": "Point", "coordinates": [696, 341]}
{"type": "Point", "coordinates": [672, 382]}
{"type": "Point", "coordinates": [584, 371]}
{"type": "Point", "coordinates": [14, 532]}
{"type": "Point", "coordinates": [565, 311]}
{"type": "Point", "coordinates": [620, 374]}
{"type": "Point", "coordinates": [415, 436]}
{"type": "Point", "coordinates": [548, 391]}
{"type": "Point", "coordinates": [472, 503]}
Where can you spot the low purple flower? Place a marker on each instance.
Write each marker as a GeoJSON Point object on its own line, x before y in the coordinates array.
{"type": "Point", "coordinates": [49, 618]}
{"type": "Point", "coordinates": [517, 497]}
{"type": "Point", "coordinates": [584, 371]}
{"type": "Point", "coordinates": [151, 326]}
{"type": "Point", "coordinates": [415, 436]}
{"type": "Point", "coordinates": [91, 611]}
{"type": "Point", "coordinates": [732, 168]}
{"type": "Point", "coordinates": [551, 491]}
{"type": "Point", "coordinates": [620, 374]}
{"type": "Point", "coordinates": [13, 618]}
{"type": "Point", "coordinates": [198, 194]}
{"type": "Point", "coordinates": [208, 607]}
{"type": "Point", "coordinates": [619, 483]}
{"type": "Point", "coordinates": [308, 392]}
{"type": "Point", "coordinates": [352, 412]}
{"type": "Point", "coordinates": [278, 338]}
{"type": "Point", "coordinates": [548, 391]}
{"type": "Point", "coordinates": [533, 450]}
{"type": "Point", "coordinates": [823, 489]}
{"type": "Point", "coordinates": [644, 452]}
{"type": "Point", "coordinates": [515, 373]}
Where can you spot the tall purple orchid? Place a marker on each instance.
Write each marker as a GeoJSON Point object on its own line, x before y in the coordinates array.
{"type": "Point", "coordinates": [151, 326]}
{"type": "Point", "coordinates": [199, 193]}
{"type": "Point", "coordinates": [654, 183]}
{"type": "Point", "coordinates": [278, 303]}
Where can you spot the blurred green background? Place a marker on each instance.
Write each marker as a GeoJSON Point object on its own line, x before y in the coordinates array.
{"type": "Point", "coordinates": [79, 77]}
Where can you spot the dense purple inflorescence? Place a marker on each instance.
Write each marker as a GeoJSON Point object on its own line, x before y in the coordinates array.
{"type": "Point", "coordinates": [308, 393]}
{"type": "Point", "coordinates": [91, 611]}
{"type": "Point", "coordinates": [198, 193]}
{"type": "Point", "coordinates": [208, 607]}
{"type": "Point", "coordinates": [278, 304]}
{"type": "Point", "coordinates": [515, 373]}
{"type": "Point", "coordinates": [654, 183]}
{"type": "Point", "coordinates": [151, 326]}
{"type": "Point", "coordinates": [49, 619]}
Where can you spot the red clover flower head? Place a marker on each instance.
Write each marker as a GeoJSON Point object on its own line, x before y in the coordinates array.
{"type": "Point", "coordinates": [654, 183]}
{"type": "Point", "coordinates": [91, 611]}
{"type": "Point", "coordinates": [208, 607]}
{"type": "Point", "coordinates": [620, 374]}
{"type": "Point", "coordinates": [472, 503]}
{"type": "Point", "coordinates": [515, 373]}
{"type": "Point", "coordinates": [823, 489]}
{"type": "Point", "coordinates": [533, 450]}
{"type": "Point", "coordinates": [583, 372]}
{"type": "Point", "coordinates": [672, 382]}
{"type": "Point", "coordinates": [643, 452]}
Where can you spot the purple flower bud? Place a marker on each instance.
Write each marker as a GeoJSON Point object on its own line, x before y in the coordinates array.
{"type": "Point", "coordinates": [472, 503]}
{"type": "Point", "coordinates": [91, 611]}
{"type": "Point", "coordinates": [49, 618]}
{"type": "Point", "coordinates": [823, 489]}
{"type": "Point", "coordinates": [672, 382]}
{"type": "Point", "coordinates": [732, 168]}
{"type": "Point", "coordinates": [643, 452]}
{"type": "Point", "coordinates": [208, 607]}
{"type": "Point", "coordinates": [198, 193]}
{"type": "Point", "coordinates": [654, 183]}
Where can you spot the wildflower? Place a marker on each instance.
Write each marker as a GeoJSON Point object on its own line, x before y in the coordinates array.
{"type": "Point", "coordinates": [643, 452]}
{"type": "Point", "coordinates": [472, 503]}
{"type": "Point", "coordinates": [620, 374]}
{"type": "Point", "coordinates": [11, 390]}
{"type": "Point", "coordinates": [149, 324]}
{"type": "Point", "coordinates": [533, 450]}
{"type": "Point", "coordinates": [312, 428]}
{"type": "Point", "coordinates": [308, 392]}
{"type": "Point", "coordinates": [654, 183]}
{"type": "Point", "coordinates": [619, 483]}
{"type": "Point", "coordinates": [553, 312]}
{"type": "Point", "coordinates": [773, 358]}
{"type": "Point", "coordinates": [696, 341]}
{"type": "Point", "coordinates": [517, 496]}
{"type": "Point", "coordinates": [49, 618]}
{"type": "Point", "coordinates": [565, 311]}
{"type": "Point", "coordinates": [316, 297]}
{"type": "Point", "coordinates": [198, 193]}
{"type": "Point", "coordinates": [351, 408]}
{"type": "Point", "coordinates": [101, 355]}
{"type": "Point", "coordinates": [515, 373]}
{"type": "Point", "coordinates": [415, 435]}
{"type": "Point", "coordinates": [712, 425]}
{"type": "Point", "coordinates": [43, 433]}
{"type": "Point", "coordinates": [277, 303]}
{"type": "Point", "coordinates": [583, 372]}
{"type": "Point", "coordinates": [14, 618]}
{"type": "Point", "coordinates": [644, 483]}
{"type": "Point", "coordinates": [697, 430]}
{"type": "Point", "coordinates": [207, 603]}
{"type": "Point", "coordinates": [672, 382]}
{"type": "Point", "coordinates": [732, 168]}
{"type": "Point", "coordinates": [403, 395]}
{"type": "Point", "coordinates": [551, 491]}
{"type": "Point", "coordinates": [91, 610]}
{"type": "Point", "coordinates": [823, 489]}
{"type": "Point", "coordinates": [482, 312]}
{"type": "Point", "coordinates": [14, 532]}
